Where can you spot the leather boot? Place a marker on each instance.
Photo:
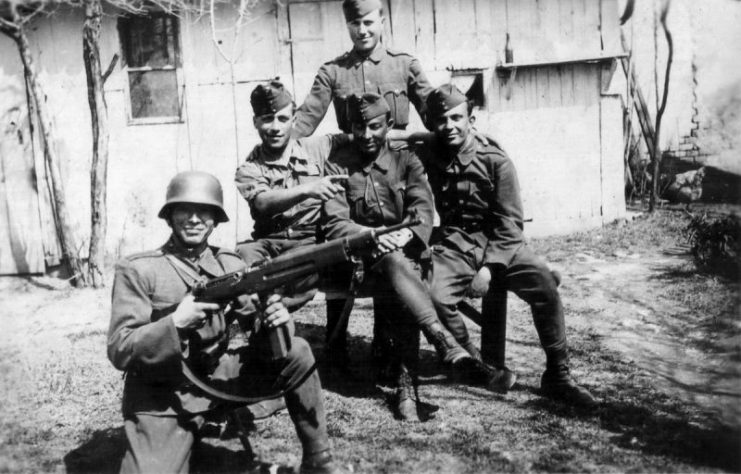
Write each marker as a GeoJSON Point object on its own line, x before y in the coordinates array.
{"type": "Point", "coordinates": [474, 372]}
{"type": "Point", "coordinates": [448, 350]}
{"type": "Point", "coordinates": [472, 350]}
{"type": "Point", "coordinates": [405, 398]}
{"type": "Point", "coordinates": [558, 384]}
{"type": "Point", "coordinates": [319, 463]}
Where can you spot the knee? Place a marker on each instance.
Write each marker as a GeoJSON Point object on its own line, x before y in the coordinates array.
{"type": "Point", "coordinates": [392, 261]}
{"type": "Point", "coordinates": [300, 355]}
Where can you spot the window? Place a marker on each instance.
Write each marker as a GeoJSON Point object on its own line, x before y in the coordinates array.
{"type": "Point", "coordinates": [471, 83]}
{"type": "Point", "coordinates": [151, 58]}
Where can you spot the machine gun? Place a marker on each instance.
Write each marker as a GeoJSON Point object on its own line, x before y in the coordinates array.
{"type": "Point", "coordinates": [265, 276]}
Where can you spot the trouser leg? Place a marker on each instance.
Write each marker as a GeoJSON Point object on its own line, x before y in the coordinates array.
{"type": "Point", "coordinates": [414, 297]}
{"type": "Point", "coordinates": [305, 402]}
{"type": "Point", "coordinates": [452, 273]}
{"type": "Point", "coordinates": [160, 444]}
{"type": "Point", "coordinates": [529, 278]}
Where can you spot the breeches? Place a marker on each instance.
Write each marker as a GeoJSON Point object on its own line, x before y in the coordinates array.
{"type": "Point", "coordinates": [526, 275]}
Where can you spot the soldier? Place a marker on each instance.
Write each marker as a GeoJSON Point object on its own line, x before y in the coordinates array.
{"type": "Point", "coordinates": [480, 237]}
{"type": "Point", "coordinates": [156, 324]}
{"type": "Point", "coordinates": [385, 186]}
{"type": "Point", "coordinates": [368, 67]}
{"type": "Point", "coordinates": [283, 181]}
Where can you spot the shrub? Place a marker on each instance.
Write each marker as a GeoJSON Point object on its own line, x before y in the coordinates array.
{"type": "Point", "coordinates": [716, 243]}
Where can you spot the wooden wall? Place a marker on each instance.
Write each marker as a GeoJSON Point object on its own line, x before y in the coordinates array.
{"type": "Point", "coordinates": [553, 119]}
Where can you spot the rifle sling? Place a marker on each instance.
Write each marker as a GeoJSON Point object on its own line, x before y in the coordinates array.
{"type": "Point", "coordinates": [184, 272]}
{"type": "Point", "coordinates": [355, 282]}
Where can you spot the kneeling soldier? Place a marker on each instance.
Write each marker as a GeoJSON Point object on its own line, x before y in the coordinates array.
{"type": "Point", "coordinates": [156, 324]}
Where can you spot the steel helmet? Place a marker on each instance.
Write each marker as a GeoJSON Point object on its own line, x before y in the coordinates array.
{"type": "Point", "coordinates": [195, 187]}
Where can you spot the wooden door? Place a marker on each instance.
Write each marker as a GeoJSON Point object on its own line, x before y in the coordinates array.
{"type": "Point", "coordinates": [21, 248]}
{"type": "Point", "coordinates": [318, 34]}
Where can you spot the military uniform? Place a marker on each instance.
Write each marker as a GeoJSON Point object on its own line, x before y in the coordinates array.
{"type": "Point", "coordinates": [396, 76]}
{"type": "Point", "coordinates": [477, 197]}
{"type": "Point", "coordinates": [301, 162]}
{"type": "Point", "coordinates": [161, 407]}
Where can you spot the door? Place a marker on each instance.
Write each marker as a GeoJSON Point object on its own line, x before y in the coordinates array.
{"type": "Point", "coordinates": [317, 34]}
{"type": "Point", "coordinates": [21, 248]}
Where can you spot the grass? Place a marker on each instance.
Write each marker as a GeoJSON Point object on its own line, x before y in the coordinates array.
{"type": "Point", "coordinates": [60, 398]}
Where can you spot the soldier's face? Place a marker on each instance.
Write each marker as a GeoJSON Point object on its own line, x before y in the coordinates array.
{"type": "Point", "coordinates": [275, 129]}
{"type": "Point", "coordinates": [370, 136]}
{"type": "Point", "coordinates": [454, 126]}
{"type": "Point", "coordinates": [192, 223]}
{"type": "Point", "coordinates": [365, 32]}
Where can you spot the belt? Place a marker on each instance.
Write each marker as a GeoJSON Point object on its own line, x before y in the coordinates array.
{"type": "Point", "coordinates": [291, 233]}
{"type": "Point", "coordinates": [469, 227]}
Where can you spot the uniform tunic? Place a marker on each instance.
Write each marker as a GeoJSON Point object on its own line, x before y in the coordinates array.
{"type": "Point", "coordinates": [396, 76]}
{"type": "Point", "coordinates": [477, 197]}
{"type": "Point", "coordinates": [302, 162]}
{"type": "Point", "coordinates": [161, 408]}
{"type": "Point", "coordinates": [382, 192]}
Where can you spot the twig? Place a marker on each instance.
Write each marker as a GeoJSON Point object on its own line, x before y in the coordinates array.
{"type": "Point", "coordinates": [109, 70]}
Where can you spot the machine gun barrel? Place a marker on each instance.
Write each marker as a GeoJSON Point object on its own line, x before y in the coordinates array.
{"type": "Point", "coordinates": [266, 276]}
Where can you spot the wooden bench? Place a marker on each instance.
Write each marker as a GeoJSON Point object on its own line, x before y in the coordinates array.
{"type": "Point", "coordinates": [493, 327]}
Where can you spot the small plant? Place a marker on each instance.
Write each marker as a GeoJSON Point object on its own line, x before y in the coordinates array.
{"type": "Point", "coordinates": [716, 243]}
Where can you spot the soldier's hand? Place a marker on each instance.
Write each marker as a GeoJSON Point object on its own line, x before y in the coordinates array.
{"type": "Point", "coordinates": [276, 314]}
{"type": "Point", "coordinates": [393, 240]}
{"type": "Point", "coordinates": [191, 313]}
{"type": "Point", "coordinates": [325, 188]}
{"type": "Point", "coordinates": [480, 283]}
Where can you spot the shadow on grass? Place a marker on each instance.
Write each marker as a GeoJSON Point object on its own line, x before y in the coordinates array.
{"type": "Point", "coordinates": [356, 382]}
{"type": "Point", "coordinates": [656, 424]}
{"type": "Point", "coordinates": [102, 453]}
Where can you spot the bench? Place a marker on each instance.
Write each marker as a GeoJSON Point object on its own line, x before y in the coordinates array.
{"type": "Point", "coordinates": [493, 328]}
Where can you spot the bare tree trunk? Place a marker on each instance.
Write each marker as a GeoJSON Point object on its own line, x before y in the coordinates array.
{"type": "Point", "coordinates": [657, 155]}
{"type": "Point", "coordinates": [99, 123]}
{"type": "Point", "coordinates": [69, 246]}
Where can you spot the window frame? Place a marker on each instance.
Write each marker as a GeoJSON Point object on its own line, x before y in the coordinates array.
{"type": "Point", "coordinates": [177, 67]}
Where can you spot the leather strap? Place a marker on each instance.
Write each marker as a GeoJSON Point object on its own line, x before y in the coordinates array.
{"type": "Point", "coordinates": [355, 282]}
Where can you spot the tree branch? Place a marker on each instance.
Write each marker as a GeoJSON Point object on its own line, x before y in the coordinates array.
{"type": "Point", "coordinates": [669, 58]}
{"type": "Point", "coordinates": [110, 67]}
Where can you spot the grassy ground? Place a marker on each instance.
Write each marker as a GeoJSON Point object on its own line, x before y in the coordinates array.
{"type": "Point", "coordinates": [658, 343]}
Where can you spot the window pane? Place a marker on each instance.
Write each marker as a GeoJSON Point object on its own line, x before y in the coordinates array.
{"type": "Point", "coordinates": [154, 94]}
{"type": "Point", "coordinates": [150, 41]}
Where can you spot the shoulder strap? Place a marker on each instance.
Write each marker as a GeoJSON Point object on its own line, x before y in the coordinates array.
{"type": "Point", "coordinates": [185, 272]}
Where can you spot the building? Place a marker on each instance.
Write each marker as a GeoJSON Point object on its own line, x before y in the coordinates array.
{"type": "Point", "coordinates": [179, 100]}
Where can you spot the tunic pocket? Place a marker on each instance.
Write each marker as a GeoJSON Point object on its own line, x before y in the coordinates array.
{"type": "Point", "coordinates": [398, 102]}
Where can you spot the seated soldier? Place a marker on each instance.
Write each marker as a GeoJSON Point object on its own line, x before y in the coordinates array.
{"type": "Point", "coordinates": [283, 181]}
{"type": "Point", "coordinates": [384, 187]}
{"type": "Point", "coordinates": [156, 325]}
{"type": "Point", "coordinates": [480, 241]}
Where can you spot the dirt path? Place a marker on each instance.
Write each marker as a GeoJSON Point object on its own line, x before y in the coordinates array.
{"type": "Point", "coordinates": [625, 302]}
{"type": "Point", "coordinates": [634, 340]}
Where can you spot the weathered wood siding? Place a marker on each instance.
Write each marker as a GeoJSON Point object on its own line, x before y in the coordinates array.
{"type": "Point", "coordinates": [552, 119]}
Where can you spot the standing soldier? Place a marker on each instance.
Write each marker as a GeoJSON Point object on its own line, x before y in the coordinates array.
{"type": "Point", "coordinates": [480, 237]}
{"type": "Point", "coordinates": [368, 67]}
{"type": "Point", "coordinates": [156, 325]}
{"type": "Point", "coordinates": [384, 187]}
